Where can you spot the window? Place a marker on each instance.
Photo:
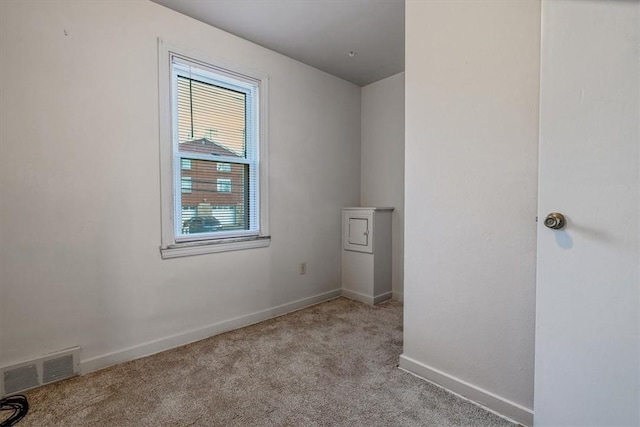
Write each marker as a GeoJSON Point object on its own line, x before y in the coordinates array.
{"type": "Point", "coordinates": [188, 212]}
{"type": "Point", "coordinates": [212, 122]}
{"type": "Point", "coordinates": [224, 185]}
{"type": "Point", "coordinates": [185, 184]}
{"type": "Point", "coordinates": [226, 214]}
{"type": "Point", "coordinates": [224, 167]}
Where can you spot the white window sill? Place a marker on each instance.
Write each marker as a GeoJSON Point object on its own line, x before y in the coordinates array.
{"type": "Point", "coordinates": [212, 246]}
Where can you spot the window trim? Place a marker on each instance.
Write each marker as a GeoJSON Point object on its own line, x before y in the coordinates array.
{"type": "Point", "coordinates": [170, 247]}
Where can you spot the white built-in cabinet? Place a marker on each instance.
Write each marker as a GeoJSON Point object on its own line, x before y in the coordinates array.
{"type": "Point", "coordinates": [366, 254]}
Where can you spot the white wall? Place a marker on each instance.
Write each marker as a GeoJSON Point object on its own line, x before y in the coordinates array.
{"type": "Point", "coordinates": [382, 161]}
{"type": "Point", "coordinates": [472, 79]}
{"type": "Point", "coordinates": [80, 197]}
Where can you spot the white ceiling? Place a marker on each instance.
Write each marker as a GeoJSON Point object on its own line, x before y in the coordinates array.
{"type": "Point", "coordinates": [320, 33]}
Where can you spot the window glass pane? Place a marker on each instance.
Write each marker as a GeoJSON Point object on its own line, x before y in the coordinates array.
{"type": "Point", "coordinates": [185, 163]}
{"type": "Point", "coordinates": [224, 185]}
{"type": "Point", "coordinates": [219, 199]}
{"type": "Point", "coordinates": [185, 184]}
{"type": "Point", "coordinates": [225, 214]}
{"type": "Point", "coordinates": [224, 167]}
{"type": "Point", "coordinates": [212, 115]}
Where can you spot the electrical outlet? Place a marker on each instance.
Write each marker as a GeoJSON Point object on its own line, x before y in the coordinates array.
{"type": "Point", "coordinates": [303, 268]}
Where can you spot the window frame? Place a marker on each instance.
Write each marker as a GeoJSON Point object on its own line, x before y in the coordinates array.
{"type": "Point", "coordinates": [177, 246]}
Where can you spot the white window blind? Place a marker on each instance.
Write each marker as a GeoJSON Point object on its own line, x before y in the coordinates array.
{"type": "Point", "coordinates": [215, 132]}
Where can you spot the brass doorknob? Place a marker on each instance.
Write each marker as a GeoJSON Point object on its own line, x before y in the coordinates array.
{"type": "Point", "coordinates": [555, 221]}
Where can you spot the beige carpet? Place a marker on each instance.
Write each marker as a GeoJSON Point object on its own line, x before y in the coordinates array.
{"type": "Point", "coordinates": [332, 364]}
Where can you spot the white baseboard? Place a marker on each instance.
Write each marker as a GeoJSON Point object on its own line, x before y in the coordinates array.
{"type": "Point", "coordinates": [367, 299]}
{"type": "Point", "coordinates": [382, 297]}
{"type": "Point", "coordinates": [492, 402]}
{"type": "Point", "coordinates": [357, 296]}
{"type": "Point", "coordinates": [177, 340]}
{"type": "Point", "coordinates": [398, 296]}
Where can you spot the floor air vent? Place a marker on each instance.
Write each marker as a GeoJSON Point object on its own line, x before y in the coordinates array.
{"type": "Point", "coordinates": [20, 378]}
{"type": "Point", "coordinates": [43, 370]}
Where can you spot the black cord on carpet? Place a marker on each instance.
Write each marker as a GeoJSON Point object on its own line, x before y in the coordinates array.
{"type": "Point", "coordinates": [18, 404]}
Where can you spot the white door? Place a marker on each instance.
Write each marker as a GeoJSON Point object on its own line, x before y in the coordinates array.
{"type": "Point", "coordinates": [587, 369]}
